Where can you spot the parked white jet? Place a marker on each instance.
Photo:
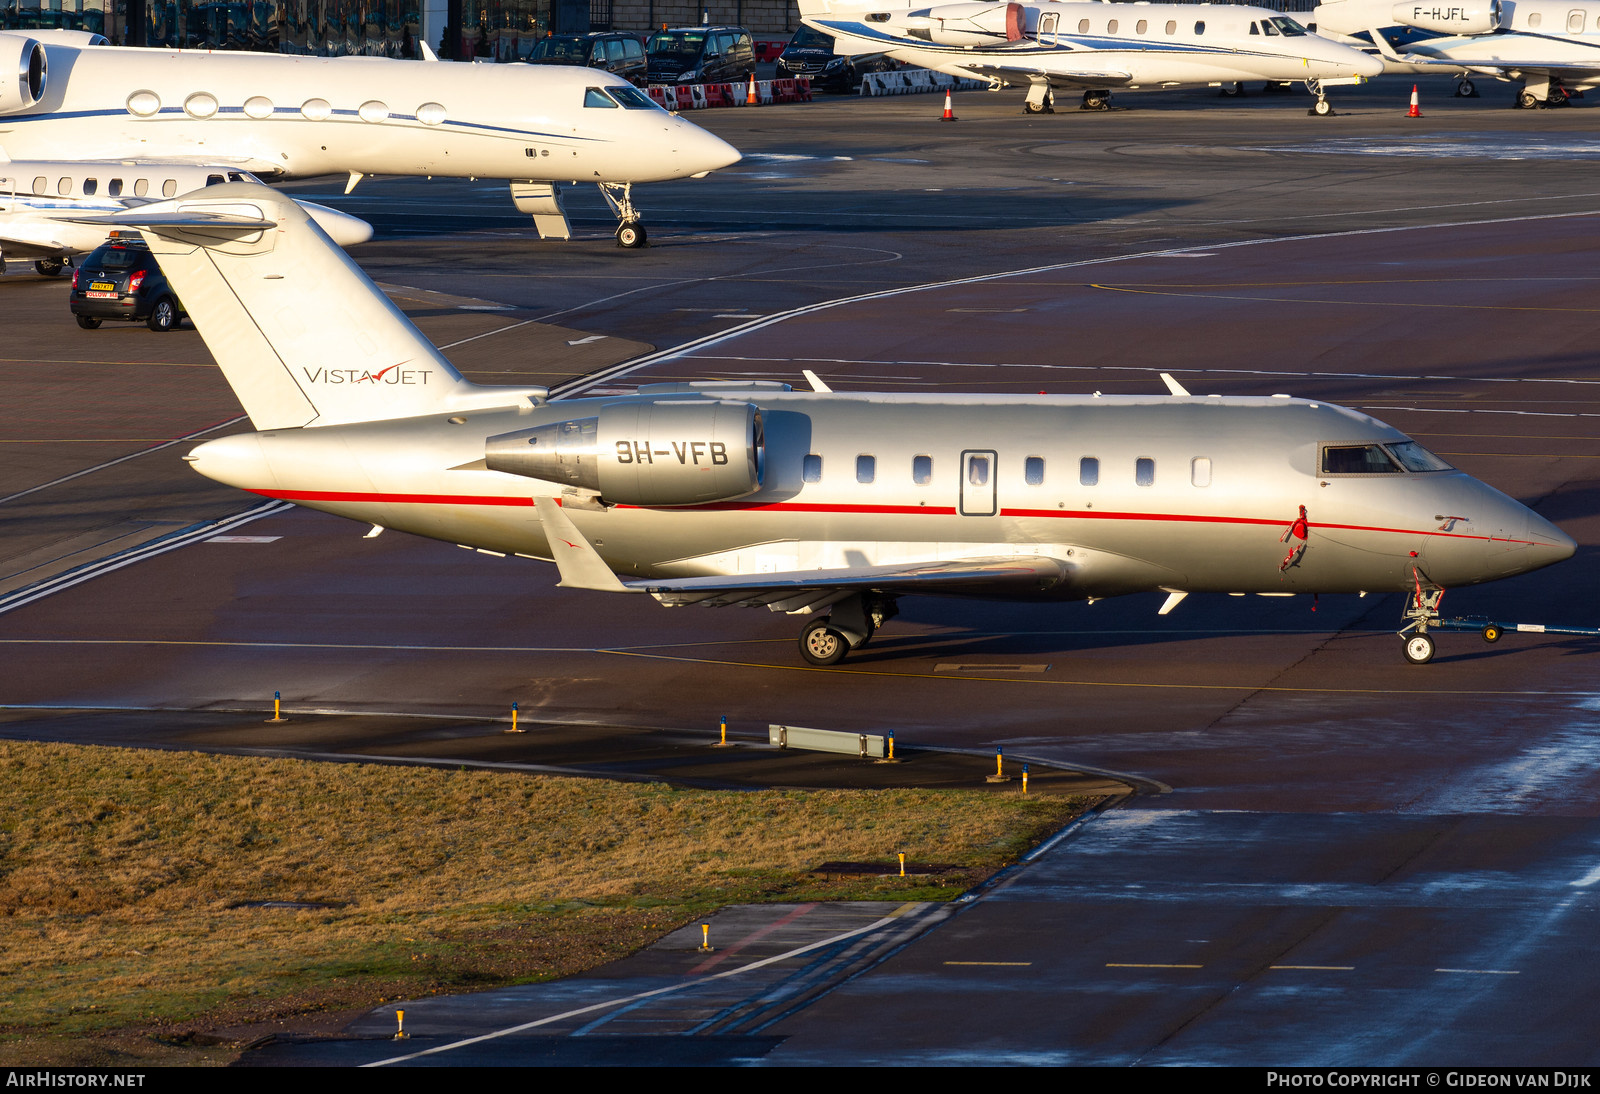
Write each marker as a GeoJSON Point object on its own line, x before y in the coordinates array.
{"type": "Point", "coordinates": [39, 202]}
{"type": "Point", "coordinates": [750, 493]}
{"type": "Point", "coordinates": [1098, 47]}
{"type": "Point", "coordinates": [279, 116]}
{"type": "Point", "coordinates": [1547, 47]}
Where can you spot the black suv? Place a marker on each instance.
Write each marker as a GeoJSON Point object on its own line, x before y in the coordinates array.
{"type": "Point", "coordinates": [120, 280]}
{"type": "Point", "coordinates": [701, 55]}
{"type": "Point", "coordinates": [810, 53]}
{"type": "Point", "coordinates": [614, 52]}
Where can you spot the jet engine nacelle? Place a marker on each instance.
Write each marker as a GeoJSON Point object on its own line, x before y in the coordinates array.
{"type": "Point", "coordinates": [639, 453]}
{"type": "Point", "coordinates": [22, 73]}
{"type": "Point", "coordinates": [1470, 18]}
{"type": "Point", "coordinates": [966, 24]}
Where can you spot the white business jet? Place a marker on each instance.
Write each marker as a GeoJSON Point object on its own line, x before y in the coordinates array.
{"type": "Point", "coordinates": [831, 505]}
{"type": "Point", "coordinates": [1548, 47]}
{"type": "Point", "coordinates": [40, 201]}
{"type": "Point", "coordinates": [1095, 47]}
{"type": "Point", "coordinates": [279, 116]}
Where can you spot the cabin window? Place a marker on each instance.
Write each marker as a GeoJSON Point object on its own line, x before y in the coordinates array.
{"type": "Point", "coordinates": [1141, 26]}
{"type": "Point", "coordinates": [811, 468]}
{"type": "Point", "coordinates": [63, 186]}
{"type": "Point", "coordinates": [373, 111]}
{"type": "Point", "coordinates": [866, 468]}
{"type": "Point", "coordinates": [169, 188]}
{"type": "Point", "coordinates": [431, 113]}
{"type": "Point", "coordinates": [1172, 26]}
{"type": "Point", "coordinates": [1047, 23]}
{"type": "Point", "coordinates": [258, 107]}
{"type": "Point", "coordinates": [1535, 19]}
{"type": "Point", "coordinates": [595, 97]}
{"type": "Point", "coordinates": [1111, 27]}
{"type": "Point", "coordinates": [1083, 26]}
{"type": "Point", "coordinates": [90, 186]}
{"type": "Point", "coordinates": [1144, 471]}
{"type": "Point", "coordinates": [1033, 470]}
{"type": "Point", "coordinates": [1200, 471]}
{"type": "Point", "coordinates": [114, 188]}
{"type": "Point", "coordinates": [202, 104]}
{"type": "Point", "coordinates": [316, 110]}
{"type": "Point", "coordinates": [1575, 21]}
{"type": "Point", "coordinates": [1089, 471]}
{"type": "Point", "coordinates": [1200, 26]}
{"type": "Point", "coordinates": [922, 470]}
{"type": "Point", "coordinates": [1357, 459]}
{"type": "Point", "coordinates": [41, 185]}
{"type": "Point", "coordinates": [978, 470]}
{"type": "Point", "coordinates": [141, 187]}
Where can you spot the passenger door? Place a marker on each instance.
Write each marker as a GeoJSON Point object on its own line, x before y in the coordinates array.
{"type": "Point", "coordinates": [978, 467]}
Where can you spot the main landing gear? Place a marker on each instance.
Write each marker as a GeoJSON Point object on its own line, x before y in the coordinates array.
{"type": "Point", "coordinates": [1097, 99]}
{"type": "Point", "coordinates": [850, 626]}
{"type": "Point", "coordinates": [630, 227]}
{"type": "Point", "coordinates": [1040, 100]}
{"type": "Point", "coordinates": [1423, 612]}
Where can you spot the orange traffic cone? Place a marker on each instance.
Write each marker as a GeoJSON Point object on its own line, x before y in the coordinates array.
{"type": "Point", "coordinates": [1416, 110]}
{"type": "Point", "coordinates": [949, 113]}
{"type": "Point", "coordinates": [750, 96]}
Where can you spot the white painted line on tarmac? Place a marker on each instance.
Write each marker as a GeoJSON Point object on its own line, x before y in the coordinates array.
{"type": "Point", "coordinates": [620, 1001]}
{"type": "Point", "coordinates": [121, 459]}
{"type": "Point", "coordinates": [1485, 972]}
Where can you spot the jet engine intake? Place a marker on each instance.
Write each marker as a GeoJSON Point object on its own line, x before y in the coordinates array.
{"type": "Point", "coordinates": [1466, 18]}
{"type": "Point", "coordinates": [677, 452]}
{"type": "Point", "coordinates": [24, 57]}
{"type": "Point", "coordinates": [966, 24]}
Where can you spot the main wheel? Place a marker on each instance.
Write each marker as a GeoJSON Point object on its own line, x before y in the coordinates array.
{"type": "Point", "coordinates": [1527, 100]}
{"type": "Point", "coordinates": [631, 234]}
{"type": "Point", "coordinates": [1322, 108]}
{"type": "Point", "coordinates": [88, 322]}
{"type": "Point", "coordinates": [1419, 649]}
{"type": "Point", "coordinates": [1491, 633]}
{"type": "Point", "coordinates": [820, 644]}
{"type": "Point", "coordinates": [164, 316]}
{"type": "Point", "coordinates": [50, 267]}
{"type": "Point", "coordinates": [1030, 107]}
{"type": "Point", "coordinates": [1466, 90]}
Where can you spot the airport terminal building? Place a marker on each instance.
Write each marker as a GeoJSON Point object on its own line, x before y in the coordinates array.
{"type": "Point", "coordinates": [503, 30]}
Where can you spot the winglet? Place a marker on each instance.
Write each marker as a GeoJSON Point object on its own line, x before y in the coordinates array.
{"type": "Point", "coordinates": [580, 564]}
{"type": "Point", "coordinates": [816, 383]}
{"type": "Point", "coordinates": [1173, 387]}
{"type": "Point", "coordinates": [1172, 601]}
{"type": "Point", "coordinates": [1383, 44]}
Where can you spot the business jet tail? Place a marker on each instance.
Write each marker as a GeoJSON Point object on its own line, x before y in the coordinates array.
{"type": "Point", "coordinates": [303, 336]}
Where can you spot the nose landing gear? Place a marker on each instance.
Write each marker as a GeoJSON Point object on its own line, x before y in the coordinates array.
{"type": "Point", "coordinates": [1423, 613]}
{"type": "Point", "coordinates": [630, 226]}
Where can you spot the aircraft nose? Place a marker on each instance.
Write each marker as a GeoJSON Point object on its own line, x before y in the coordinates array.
{"type": "Point", "coordinates": [710, 152]}
{"type": "Point", "coordinates": [1550, 542]}
{"type": "Point", "coordinates": [1367, 64]}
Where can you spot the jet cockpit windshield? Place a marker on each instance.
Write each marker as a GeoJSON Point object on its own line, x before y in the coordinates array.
{"type": "Point", "coordinates": [1379, 459]}
{"type": "Point", "coordinates": [1280, 24]}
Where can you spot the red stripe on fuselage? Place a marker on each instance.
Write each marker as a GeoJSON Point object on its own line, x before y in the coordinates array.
{"type": "Point", "coordinates": [876, 510]}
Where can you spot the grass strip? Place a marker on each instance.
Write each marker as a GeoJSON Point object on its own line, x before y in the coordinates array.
{"type": "Point", "coordinates": [131, 882]}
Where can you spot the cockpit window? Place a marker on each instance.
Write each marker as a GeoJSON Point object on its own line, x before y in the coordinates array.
{"type": "Point", "coordinates": [595, 97]}
{"type": "Point", "coordinates": [1358, 459]}
{"type": "Point", "coordinates": [1413, 457]}
{"type": "Point", "coordinates": [1288, 26]}
{"type": "Point", "coordinates": [631, 98]}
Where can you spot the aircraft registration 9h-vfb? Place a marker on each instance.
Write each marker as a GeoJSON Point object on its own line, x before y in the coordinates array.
{"type": "Point", "coordinates": [1093, 47]}
{"type": "Point", "coordinates": [828, 504]}
{"type": "Point", "coordinates": [281, 116]}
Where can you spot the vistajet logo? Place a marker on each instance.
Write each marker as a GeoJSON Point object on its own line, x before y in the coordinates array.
{"type": "Point", "coordinates": [394, 376]}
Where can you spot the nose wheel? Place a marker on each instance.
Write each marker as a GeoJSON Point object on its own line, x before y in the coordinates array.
{"type": "Point", "coordinates": [1419, 649]}
{"type": "Point", "coordinates": [630, 225]}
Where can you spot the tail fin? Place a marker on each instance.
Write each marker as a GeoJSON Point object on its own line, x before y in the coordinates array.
{"type": "Point", "coordinates": [302, 334]}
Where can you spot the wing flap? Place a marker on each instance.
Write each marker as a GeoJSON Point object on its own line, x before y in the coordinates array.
{"type": "Point", "coordinates": [802, 590]}
{"type": "Point", "coordinates": [1055, 78]}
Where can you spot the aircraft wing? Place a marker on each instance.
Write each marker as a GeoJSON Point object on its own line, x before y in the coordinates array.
{"type": "Point", "coordinates": [1034, 73]}
{"type": "Point", "coordinates": [800, 589]}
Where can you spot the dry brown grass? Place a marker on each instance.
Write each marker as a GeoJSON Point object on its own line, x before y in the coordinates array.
{"type": "Point", "coordinates": [125, 875]}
